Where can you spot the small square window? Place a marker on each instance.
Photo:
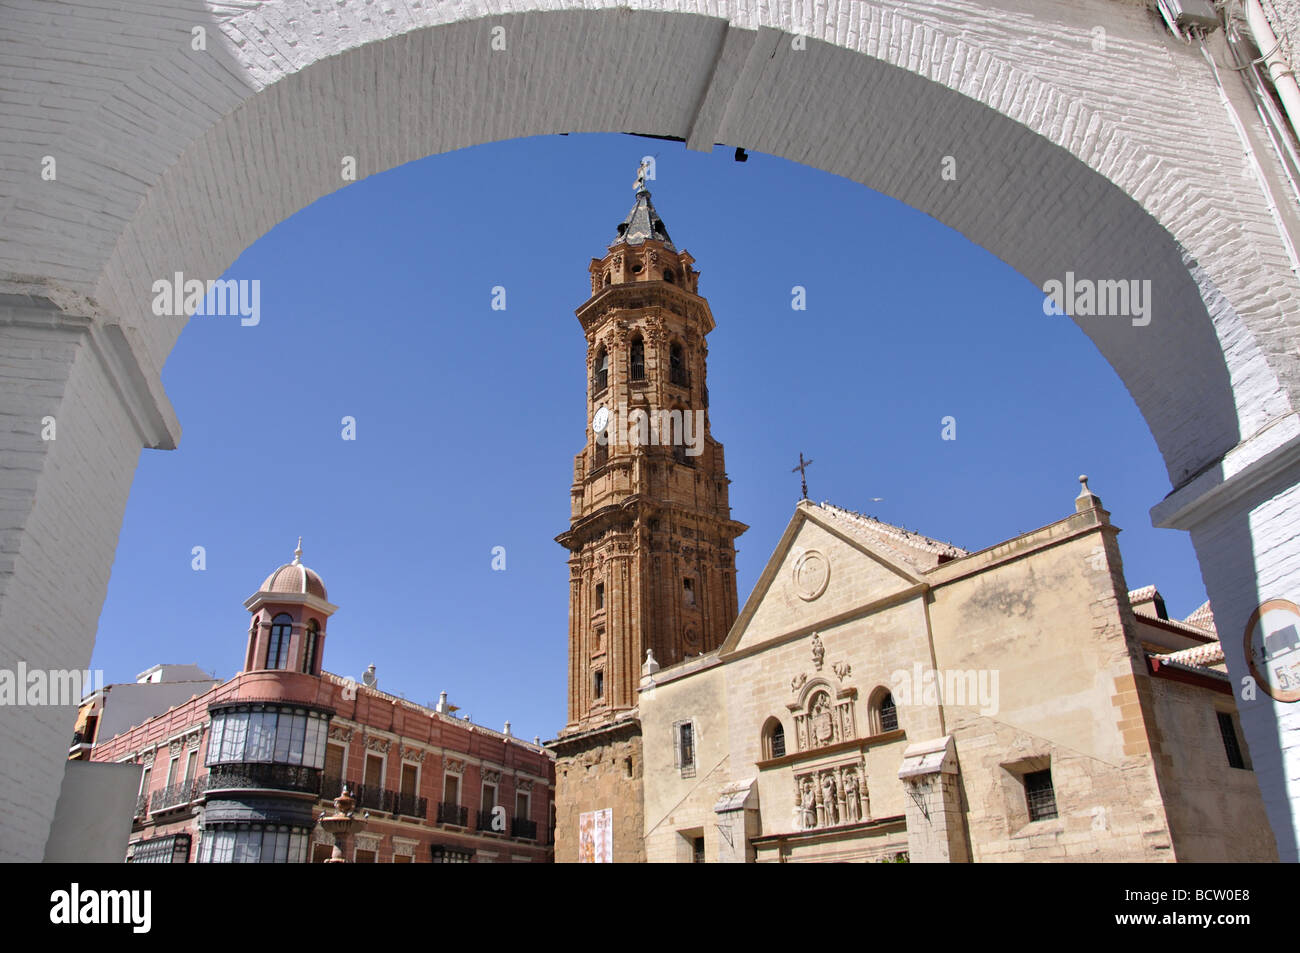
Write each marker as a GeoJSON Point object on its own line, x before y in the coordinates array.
{"type": "Point", "coordinates": [1040, 795]}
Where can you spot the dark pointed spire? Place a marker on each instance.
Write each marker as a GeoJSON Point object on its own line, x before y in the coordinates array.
{"type": "Point", "coordinates": [643, 223]}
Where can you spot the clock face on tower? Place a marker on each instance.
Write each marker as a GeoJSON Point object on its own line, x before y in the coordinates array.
{"type": "Point", "coordinates": [601, 420]}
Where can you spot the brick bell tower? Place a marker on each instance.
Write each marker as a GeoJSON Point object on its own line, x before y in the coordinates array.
{"type": "Point", "coordinates": [651, 538]}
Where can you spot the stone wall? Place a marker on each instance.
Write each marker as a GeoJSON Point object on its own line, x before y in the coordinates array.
{"type": "Point", "coordinates": [603, 769]}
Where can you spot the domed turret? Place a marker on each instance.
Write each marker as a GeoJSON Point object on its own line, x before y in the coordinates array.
{"type": "Point", "coordinates": [296, 578]}
{"type": "Point", "coordinates": [289, 610]}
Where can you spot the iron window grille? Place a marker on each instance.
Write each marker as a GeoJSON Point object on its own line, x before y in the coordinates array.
{"type": "Point", "coordinates": [1229, 732]}
{"type": "Point", "coordinates": [778, 742]}
{"type": "Point", "coordinates": [1040, 795]}
{"type": "Point", "coordinates": [888, 714]}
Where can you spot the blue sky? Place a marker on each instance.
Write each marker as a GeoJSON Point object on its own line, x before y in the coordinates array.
{"type": "Point", "coordinates": [376, 304]}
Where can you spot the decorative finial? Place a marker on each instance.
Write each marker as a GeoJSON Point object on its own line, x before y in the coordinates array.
{"type": "Point", "coordinates": [1087, 500]}
{"type": "Point", "coordinates": [641, 171]}
{"type": "Point", "coordinates": [297, 553]}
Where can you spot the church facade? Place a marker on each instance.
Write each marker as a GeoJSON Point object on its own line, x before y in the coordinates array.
{"type": "Point", "coordinates": [881, 696]}
{"type": "Point", "coordinates": [886, 697]}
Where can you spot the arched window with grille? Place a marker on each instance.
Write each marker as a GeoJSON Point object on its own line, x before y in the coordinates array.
{"type": "Point", "coordinates": [773, 739]}
{"type": "Point", "coordinates": [636, 361]}
{"type": "Point", "coordinates": [277, 650]}
{"type": "Point", "coordinates": [602, 370]}
{"type": "Point", "coordinates": [309, 651]}
{"type": "Point", "coordinates": [884, 711]}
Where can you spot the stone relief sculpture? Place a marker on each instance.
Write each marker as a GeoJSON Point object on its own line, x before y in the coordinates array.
{"type": "Point", "coordinates": [829, 796]}
{"type": "Point", "coordinates": [821, 719]}
{"type": "Point", "coordinates": [830, 800]}
{"type": "Point", "coordinates": [809, 805]}
{"type": "Point", "coordinates": [823, 723]}
{"type": "Point", "coordinates": [818, 651]}
{"type": "Point", "coordinates": [852, 813]}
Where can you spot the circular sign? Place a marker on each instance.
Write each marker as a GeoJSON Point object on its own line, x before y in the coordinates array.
{"type": "Point", "coordinates": [812, 573]}
{"type": "Point", "coordinates": [1273, 649]}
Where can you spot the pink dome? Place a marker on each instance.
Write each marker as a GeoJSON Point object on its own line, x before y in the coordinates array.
{"type": "Point", "coordinates": [295, 578]}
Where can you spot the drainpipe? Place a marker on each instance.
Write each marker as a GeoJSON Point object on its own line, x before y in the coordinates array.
{"type": "Point", "coordinates": [1278, 70]}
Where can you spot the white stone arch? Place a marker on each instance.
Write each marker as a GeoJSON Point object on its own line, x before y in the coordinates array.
{"type": "Point", "coordinates": [1114, 163]}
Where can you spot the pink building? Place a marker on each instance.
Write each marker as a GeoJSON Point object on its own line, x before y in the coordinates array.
{"type": "Point", "coordinates": [242, 771]}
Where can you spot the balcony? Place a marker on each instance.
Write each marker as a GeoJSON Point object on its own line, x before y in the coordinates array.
{"type": "Point", "coordinates": [449, 813]}
{"type": "Point", "coordinates": [178, 795]}
{"type": "Point", "coordinates": [523, 827]}
{"type": "Point", "coordinates": [485, 822]}
{"type": "Point", "coordinates": [331, 786]}
{"type": "Point", "coordinates": [142, 806]}
{"type": "Point", "coordinates": [375, 798]}
{"type": "Point", "coordinates": [258, 777]}
{"type": "Point", "coordinates": [409, 805]}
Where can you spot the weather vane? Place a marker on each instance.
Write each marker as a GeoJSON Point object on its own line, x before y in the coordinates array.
{"type": "Point", "coordinates": [641, 171]}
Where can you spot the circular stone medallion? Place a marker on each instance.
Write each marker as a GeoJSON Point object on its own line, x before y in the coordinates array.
{"type": "Point", "coordinates": [812, 573]}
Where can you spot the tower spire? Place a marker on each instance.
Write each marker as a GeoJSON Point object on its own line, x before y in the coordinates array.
{"type": "Point", "coordinates": [297, 553]}
{"type": "Point", "coordinates": [643, 223]}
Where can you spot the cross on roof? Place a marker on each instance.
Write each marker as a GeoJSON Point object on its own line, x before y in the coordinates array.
{"type": "Point", "coordinates": [801, 469]}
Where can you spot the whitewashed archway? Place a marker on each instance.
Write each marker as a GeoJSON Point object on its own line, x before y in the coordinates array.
{"type": "Point", "coordinates": [1085, 138]}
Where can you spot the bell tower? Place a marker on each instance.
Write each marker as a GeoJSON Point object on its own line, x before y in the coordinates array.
{"type": "Point", "coordinates": [651, 538]}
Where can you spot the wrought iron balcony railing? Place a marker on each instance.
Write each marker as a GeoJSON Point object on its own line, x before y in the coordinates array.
{"type": "Point", "coordinates": [449, 813]}
{"type": "Point", "coordinates": [142, 805]}
{"type": "Point", "coordinates": [409, 805]}
{"type": "Point", "coordinates": [523, 827]}
{"type": "Point", "coordinates": [178, 795]}
{"type": "Point", "coordinates": [331, 786]}
{"type": "Point", "coordinates": [255, 777]}
{"type": "Point", "coordinates": [374, 798]}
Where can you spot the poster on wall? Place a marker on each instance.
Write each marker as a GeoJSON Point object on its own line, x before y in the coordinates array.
{"type": "Point", "coordinates": [596, 837]}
